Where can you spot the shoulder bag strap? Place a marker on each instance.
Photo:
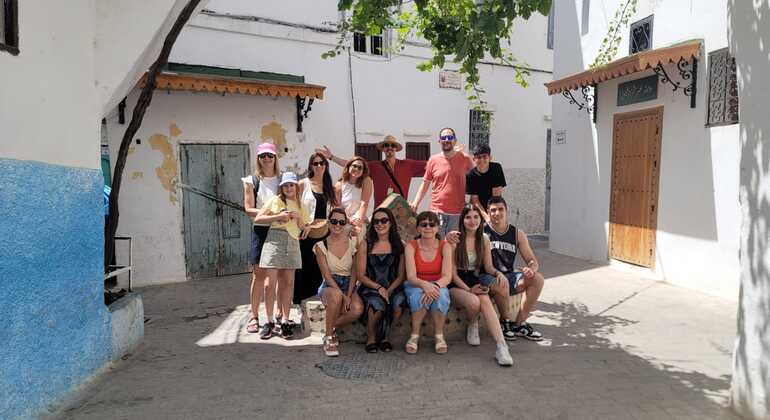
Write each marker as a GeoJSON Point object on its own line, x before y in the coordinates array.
{"type": "Point", "coordinates": [393, 177]}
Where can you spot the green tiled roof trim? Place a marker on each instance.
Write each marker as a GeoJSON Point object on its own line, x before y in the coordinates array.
{"type": "Point", "coordinates": [233, 73]}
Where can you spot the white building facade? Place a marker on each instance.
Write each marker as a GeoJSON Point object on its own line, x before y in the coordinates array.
{"type": "Point", "coordinates": [60, 70]}
{"type": "Point", "coordinates": [652, 178]}
{"type": "Point", "coordinates": [368, 94]}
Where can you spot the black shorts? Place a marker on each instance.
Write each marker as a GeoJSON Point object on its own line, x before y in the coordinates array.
{"type": "Point", "coordinates": [258, 235]}
{"type": "Point", "coordinates": [470, 278]}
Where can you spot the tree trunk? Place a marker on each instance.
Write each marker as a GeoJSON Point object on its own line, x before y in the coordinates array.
{"type": "Point", "coordinates": [145, 97]}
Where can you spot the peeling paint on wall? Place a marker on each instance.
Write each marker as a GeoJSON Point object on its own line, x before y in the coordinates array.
{"type": "Point", "coordinates": [137, 175]}
{"type": "Point", "coordinates": [131, 150]}
{"type": "Point", "coordinates": [174, 130]}
{"type": "Point", "coordinates": [275, 132]}
{"type": "Point", "coordinates": [167, 170]}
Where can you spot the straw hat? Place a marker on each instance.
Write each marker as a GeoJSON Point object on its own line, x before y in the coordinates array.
{"type": "Point", "coordinates": [389, 139]}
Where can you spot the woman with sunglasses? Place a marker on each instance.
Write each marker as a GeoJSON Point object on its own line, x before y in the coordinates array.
{"type": "Point", "coordinates": [318, 195]}
{"type": "Point", "coordinates": [381, 268]}
{"type": "Point", "coordinates": [335, 256]}
{"type": "Point", "coordinates": [354, 189]}
{"type": "Point", "coordinates": [258, 189]}
{"type": "Point", "coordinates": [473, 274]}
{"type": "Point", "coordinates": [428, 273]}
{"type": "Point", "coordinates": [280, 254]}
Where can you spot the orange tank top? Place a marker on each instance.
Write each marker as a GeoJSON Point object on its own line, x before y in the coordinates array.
{"type": "Point", "coordinates": [428, 270]}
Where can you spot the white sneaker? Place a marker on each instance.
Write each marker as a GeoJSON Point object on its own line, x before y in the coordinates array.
{"type": "Point", "coordinates": [472, 335]}
{"type": "Point", "coordinates": [503, 356]}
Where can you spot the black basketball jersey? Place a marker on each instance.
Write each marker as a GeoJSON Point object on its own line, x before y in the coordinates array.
{"type": "Point", "coordinates": [504, 247]}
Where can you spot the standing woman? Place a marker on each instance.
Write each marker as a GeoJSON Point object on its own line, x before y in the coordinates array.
{"type": "Point", "coordinates": [381, 267]}
{"type": "Point", "coordinates": [317, 197]}
{"type": "Point", "coordinates": [473, 275]}
{"type": "Point", "coordinates": [428, 273]}
{"type": "Point", "coordinates": [280, 253]}
{"type": "Point", "coordinates": [258, 189]}
{"type": "Point", "coordinates": [354, 190]}
{"type": "Point", "coordinates": [335, 256]}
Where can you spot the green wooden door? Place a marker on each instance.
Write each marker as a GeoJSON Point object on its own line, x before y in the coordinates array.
{"type": "Point", "coordinates": [217, 236]}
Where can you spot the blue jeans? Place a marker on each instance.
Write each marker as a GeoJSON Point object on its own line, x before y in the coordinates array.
{"type": "Point", "coordinates": [414, 295]}
{"type": "Point", "coordinates": [342, 281]}
{"type": "Point", "coordinates": [514, 279]}
{"type": "Point", "coordinates": [447, 223]}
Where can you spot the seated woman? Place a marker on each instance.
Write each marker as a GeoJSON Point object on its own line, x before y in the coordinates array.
{"type": "Point", "coordinates": [381, 268]}
{"type": "Point", "coordinates": [335, 256]}
{"type": "Point", "coordinates": [470, 291]}
{"type": "Point", "coordinates": [428, 272]}
{"type": "Point", "coordinates": [354, 190]}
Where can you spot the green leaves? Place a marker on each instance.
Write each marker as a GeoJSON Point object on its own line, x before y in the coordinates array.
{"type": "Point", "coordinates": [459, 30]}
{"type": "Point", "coordinates": [611, 42]}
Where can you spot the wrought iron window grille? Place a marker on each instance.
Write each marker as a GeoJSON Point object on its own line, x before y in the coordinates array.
{"type": "Point", "coordinates": [640, 38]}
{"type": "Point", "coordinates": [302, 111]}
{"type": "Point", "coordinates": [688, 71]}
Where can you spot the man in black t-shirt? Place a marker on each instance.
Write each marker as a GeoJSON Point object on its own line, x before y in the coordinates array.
{"type": "Point", "coordinates": [506, 241]}
{"type": "Point", "coordinates": [485, 180]}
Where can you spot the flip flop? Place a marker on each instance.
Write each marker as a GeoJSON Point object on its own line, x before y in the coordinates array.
{"type": "Point", "coordinates": [386, 347]}
{"type": "Point", "coordinates": [371, 348]}
{"type": "Point", "coordinates": [253, 326]}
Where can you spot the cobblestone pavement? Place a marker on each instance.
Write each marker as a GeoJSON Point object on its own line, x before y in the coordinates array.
{"type": "Point", "coordinates": [618, 347]}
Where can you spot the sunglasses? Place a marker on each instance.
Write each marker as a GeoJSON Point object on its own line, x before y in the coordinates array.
{"type": "Point", "coordinates": [359, 167]}
{"type": "Point", "coordinates": [427, 225]}
{"type": "Point", "coordinates": [382, 221]}
{"type": "Point", "coordinates": [266, 155]}
{"type": "Point", "coordinates": [447, 137]}
{"type": "Point", "coordinates": [391, 145]}
{"type": "Point", "coordinates": [319, 163]}
{"type": "Point", "coordinates": [341, 222]}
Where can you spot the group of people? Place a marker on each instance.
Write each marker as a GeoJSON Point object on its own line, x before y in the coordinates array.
{"type": "Point", "coordinates": [463, 254]}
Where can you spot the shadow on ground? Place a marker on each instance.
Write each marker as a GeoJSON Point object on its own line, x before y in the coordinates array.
{"type": "Point", "coordinates": [578, 373]}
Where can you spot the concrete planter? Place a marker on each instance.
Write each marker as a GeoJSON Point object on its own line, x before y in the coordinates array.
{"type": "Point", "coordinates": [127, 324]}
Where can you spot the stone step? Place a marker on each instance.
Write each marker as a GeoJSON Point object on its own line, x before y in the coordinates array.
{"type": "Point", "coordinates": [314, 322]}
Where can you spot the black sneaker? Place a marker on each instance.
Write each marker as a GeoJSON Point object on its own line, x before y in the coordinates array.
{"type": "Point", "coordinates": [286, 331]}
{"type": "Point", "coordinates": [525, 330]}
{"type": "Point", "coordinates": [267, 331]}
{"type": "Point", "coordinates": [507, 327]}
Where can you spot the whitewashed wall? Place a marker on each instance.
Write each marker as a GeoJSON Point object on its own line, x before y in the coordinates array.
{"type": "Point", "coordinates": [699, 217]}
{"type": "Point", "coordinates": [43, 119]}
{"type": "Point", "coordinates": [150, 207]}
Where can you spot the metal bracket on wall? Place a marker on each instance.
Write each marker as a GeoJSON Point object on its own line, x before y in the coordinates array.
{"type": "Point", "coordinates": [589, 99]}
{"type": "Point", "coordinates": [687, 71]}
{"type": "Point", "coordinates": [302, 111]}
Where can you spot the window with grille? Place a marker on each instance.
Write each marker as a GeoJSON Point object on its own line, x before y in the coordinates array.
{"type": "Point", "coordinates": [641, 35]}
{"type": "Point", "coordinates": [723, 89]}
{"type": "Point", "coordinates": [479, 128]}
{"type": "Point", "coordinates": [372, 44]}
{"type": "Point", "coordinates": [368, 151]}
{"type": "Point", "coordinates": [585, 17]}
{"type": "Point", "coordinates": [418, 150]}
{"type": "Point", "coordinates": [9, 29]}
{"type": "Point", "coordinates": [551, 17]}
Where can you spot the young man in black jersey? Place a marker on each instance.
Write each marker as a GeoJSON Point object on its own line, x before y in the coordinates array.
{"type": "Point", "coordinates": [506, 242]}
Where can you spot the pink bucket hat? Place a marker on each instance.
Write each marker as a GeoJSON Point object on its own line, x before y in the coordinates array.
{"type": "Point", "coordinates": [267, 148]}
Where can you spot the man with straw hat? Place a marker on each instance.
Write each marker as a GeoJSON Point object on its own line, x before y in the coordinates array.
{"type": "Point", "coordinates": [389, 175]}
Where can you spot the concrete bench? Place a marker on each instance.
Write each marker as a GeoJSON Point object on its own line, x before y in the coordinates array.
{"type": "Point", "coordinates": [314, 321]}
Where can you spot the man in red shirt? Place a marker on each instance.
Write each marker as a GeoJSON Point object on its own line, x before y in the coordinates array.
{"type": "Point", "coordinates": [383, 172]}
{"type": "Point", "coordinates": [445, 172]}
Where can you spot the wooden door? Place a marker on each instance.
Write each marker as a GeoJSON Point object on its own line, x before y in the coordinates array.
{"type": "Point", "coordinates": [634, 190]}
{"type": "Point", "coordinates": [217, 236]}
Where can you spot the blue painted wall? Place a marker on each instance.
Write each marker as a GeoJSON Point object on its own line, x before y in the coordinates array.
{"type": "Point", "coordinates": [55, 329]}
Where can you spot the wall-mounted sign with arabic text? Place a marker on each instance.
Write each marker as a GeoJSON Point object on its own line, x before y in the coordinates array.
{"type": "Point", "coordinates": [639, 90]}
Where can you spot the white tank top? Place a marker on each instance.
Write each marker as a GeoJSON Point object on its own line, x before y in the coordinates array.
{"type": "Point", "coordinates": [351, 198]}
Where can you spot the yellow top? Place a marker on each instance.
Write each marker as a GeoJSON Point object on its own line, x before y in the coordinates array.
{"type": "Point", "coordinates": [276, 204]}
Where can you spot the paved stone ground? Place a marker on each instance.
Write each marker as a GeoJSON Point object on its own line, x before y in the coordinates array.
{"type": "Point", "coordinates": [619, 347]}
